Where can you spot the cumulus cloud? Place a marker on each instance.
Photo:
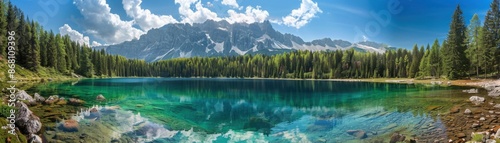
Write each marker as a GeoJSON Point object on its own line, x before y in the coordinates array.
{"type": "Point", "coordinates": [111, 29]}
{"type": "Point", "coordinates": [77, 36]}
{"type": "Point", "coordinates": [95, 43]}
{"type": "Point", "coordinates": [251, 15]}
{"type": "Point", "coordinates": [301, 16]}
{"type": "Point", "coordinates": [74, 35]}
{"type": "Point", "coordinates": [231, 3]}
{"type": "Point", "coordinates": [143, 17]}
{"type": "Point", "coordinates": [199, 15]}
{"type": "Point", "coordinates": [105, 25]}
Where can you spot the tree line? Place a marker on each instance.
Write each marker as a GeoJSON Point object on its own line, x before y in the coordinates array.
{"type": "Point", "coordinates": [468, 51]}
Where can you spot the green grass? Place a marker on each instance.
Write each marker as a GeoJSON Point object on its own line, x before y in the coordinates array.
{"type": "Point", "coordinates": [27, 78]}
{"type": "Point", "coordinates": [477, 138]}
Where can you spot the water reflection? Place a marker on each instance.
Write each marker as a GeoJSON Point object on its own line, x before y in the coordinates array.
{"type": "Point", "coordinates": [271, 110]}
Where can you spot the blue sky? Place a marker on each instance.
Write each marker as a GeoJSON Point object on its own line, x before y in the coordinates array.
{"type": "Point", "coordinates": [406, 23]}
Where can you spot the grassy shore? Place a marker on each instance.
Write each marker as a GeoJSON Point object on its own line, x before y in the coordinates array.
{"type": "Point", "coordinates": [464, 82]}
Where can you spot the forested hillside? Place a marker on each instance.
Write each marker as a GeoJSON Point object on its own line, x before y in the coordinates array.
{"type": "Point", "coordinates": [468, 51]}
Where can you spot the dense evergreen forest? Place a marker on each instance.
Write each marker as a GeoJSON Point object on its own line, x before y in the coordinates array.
{"type": "Point", "coordinates": [468, 51]}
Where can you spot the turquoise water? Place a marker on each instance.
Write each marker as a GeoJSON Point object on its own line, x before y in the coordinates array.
{"type": "Point", "coordinates": [235, 110]}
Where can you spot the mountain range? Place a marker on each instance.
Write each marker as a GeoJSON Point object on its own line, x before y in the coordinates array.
{"type": "Point", "coordinates": [220, 38]}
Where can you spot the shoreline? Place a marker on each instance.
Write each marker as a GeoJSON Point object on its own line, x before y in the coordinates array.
{"type": "Point", "coordinates": [463, 82]}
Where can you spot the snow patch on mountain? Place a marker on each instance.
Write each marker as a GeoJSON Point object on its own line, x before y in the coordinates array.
{"type": "Point", "coordinates": [185, 54]}
{"type": "Point", "coordinates": [238, 51]}
{"type": "Point", "coordinates": [369, 48]}
{"type": "Point", "coordinates": [219, 47]}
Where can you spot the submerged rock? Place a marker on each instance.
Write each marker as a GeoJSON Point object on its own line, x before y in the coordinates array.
{"type": "Point", "coordinates": [467, 111]}
{"type": "Point", "coordinates": [27, 122]}
{"type": "Point", "coordinates": [396, 137]}
{"type": "Point", "coordinates": [471, 91]}
{"type": "Point", "coordinates": [69, 125]}
{"type": "Point", "coordinates": [359, 134]}
{"type": "Point", "coordinates": [474, 125]}
{"type": "Point", "coordinates": [100, 97]}
{"type": "Point", "coordinates": [258, 123]}
{"type": "Point", "coordinates": [61, 101]}
{"type": "Point", "coordinates": [476, 100]}
{"type": "Point", "coordinates": [52, 99]}
{"type": "Point", "coordinates": [455, 109]}
{"type": "Point", "coordinates": [461, 135]}
{"type": "Point", "coordinates": [74, 101]}
{"type": "Point", "coordinates": [495, 92]}
{"type": "Point", "coordinates": [94, 114]}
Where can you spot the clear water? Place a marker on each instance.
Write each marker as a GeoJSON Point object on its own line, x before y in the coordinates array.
{"type": "Point", "coordinates": [239, 110]}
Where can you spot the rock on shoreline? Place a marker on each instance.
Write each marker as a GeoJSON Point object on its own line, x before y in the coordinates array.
{"type": "Point", "coordinates": [27, 122]}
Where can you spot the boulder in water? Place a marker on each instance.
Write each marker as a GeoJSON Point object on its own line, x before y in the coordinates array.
{"type": "Point", "coordinates": [471, 91]}
{"type": "Point", "coordinates": [27, 122]}
{"type": "Point", "coordinates": [94, 114]}
{"type": "Point", "coordinates": [476, 100]}
{"type": "Point", "coordinates": [100, 97]}
{"type": "Point", "coordinates": [61, 101]}
{"type": "Point", "coordinates": [69, 125]}
{"type": "Point", "coordinates": [74, 101]}
{"type": "Point", "coordinates": [455, 109]}
{"type": "Point", "coordinates": [396, 137]}
{"type": "Point", "coordinates": [359, 134]}
{"type": "Point", "coordinates": [467, 111]}
{"type": "Point", "coordinates": [52, 99]}
{"type": "Point", "coordinates": [39, 98]}
{"type": "Point", "coordinates": [495, 92]}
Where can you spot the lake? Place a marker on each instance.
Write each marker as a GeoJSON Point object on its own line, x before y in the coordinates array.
{"type": "Point", "coordinates": [259, 110]}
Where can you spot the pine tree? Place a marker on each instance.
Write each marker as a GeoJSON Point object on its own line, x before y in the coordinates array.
{"type": "Point", "coordinates": [43, 47]}
{"type": "Point", "coordinates": [52, 52]}
{"type": "Point", "coordinates": [61, 54]}
{"type": "Point", "coordinates": [456, 63]}
{"type": "Point", "coordinates": [415, 62]}
{"type": "Point", "coordinates": [3, 29]}
{"type": "Point", "coordinates": [22, 41]}
{"type": "Point", "coordinates": [33, 53]}
{"type": "Point", "coordinates": [11, 22]}
{"type": "Point", "coordinates": [491, 36]}
{"type": "Point", "coordinates": [424, 63]}
{"type": "Point", "coordinates": [472, 51]}
{"type": "Point", "coordinates": [86, 67]}
{"type": "Point", "coordinates": [434, 59]}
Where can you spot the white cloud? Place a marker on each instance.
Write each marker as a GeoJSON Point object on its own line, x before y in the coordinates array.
{"type": "Point", "coordinates": [201, 14]}
{"type": "Point", "coordinates": [105, 25]}
{"type": "Point", "coordinates": [301, 16]}
{"type": "Point", "coordinates": [231, 3]}
{"type": "Point", "coordinates": [251, 15]}
{"type": "Point", "coordinates": [143, 17]}
{"type": "Point", "coordinates": [95, 43]}
{"type": "Point", "coordinates": [74, 35]}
